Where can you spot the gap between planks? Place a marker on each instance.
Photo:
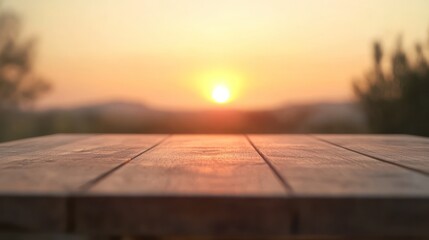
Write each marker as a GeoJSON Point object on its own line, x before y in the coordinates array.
{"type": "Point", "coordinates": [416, 170]}
{"type": "Point", "coordinates": [282, 179]}
{"type": "Point", "coordinates": [88, 185]}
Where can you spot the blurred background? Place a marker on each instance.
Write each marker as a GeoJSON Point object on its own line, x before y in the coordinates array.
{"type": "Point", "coordinates": [227, 66]}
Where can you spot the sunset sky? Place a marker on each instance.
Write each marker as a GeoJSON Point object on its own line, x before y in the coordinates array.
{"type": "Point", "coordinates": [171, 54]}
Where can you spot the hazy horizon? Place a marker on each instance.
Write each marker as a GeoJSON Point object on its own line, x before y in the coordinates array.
{"type": "Point", "coordinates": [167, 54]}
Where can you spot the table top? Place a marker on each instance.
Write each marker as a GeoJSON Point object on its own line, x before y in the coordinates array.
{"type": "Point", "coordinates": [226, 185]}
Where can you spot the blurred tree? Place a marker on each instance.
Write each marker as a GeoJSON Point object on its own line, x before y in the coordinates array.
{"type": "Point", "coordinates": [396, 101]}
{"type": "Point", "coordinates": [19, 85]}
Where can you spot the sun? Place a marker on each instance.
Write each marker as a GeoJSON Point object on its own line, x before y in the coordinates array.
{"type": "Point", "coordinates": [221, 94]}
{"type": "Point", "coordinates": [219, 86]}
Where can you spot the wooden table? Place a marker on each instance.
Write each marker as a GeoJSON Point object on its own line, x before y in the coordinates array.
{"type": "Point", "coordinates": [217, 185]}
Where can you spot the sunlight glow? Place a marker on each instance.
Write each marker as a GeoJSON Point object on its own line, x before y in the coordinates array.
{"type": "Point", "coordinates": [221, 85]}
{"type": "Point", "coordinates": [221, 94]}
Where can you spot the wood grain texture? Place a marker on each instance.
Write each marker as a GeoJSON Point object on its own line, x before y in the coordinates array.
{"type": "Point", "coordinates": [35, 185]}
{"type": "Point", "coordinates": [36, 145]}
{"type": "Point", "coordinates": [313, 167]}
{"type": "Point", "coordinates": [190, 184]}
{"type": "Point", "coordinates": [212, 185]}
{"type": "Point", "coordinates": [408, 151]}
{"type": "Point", "coordinates": [67, 167]}
{"type": "Point", "coordinates": [195, 165]}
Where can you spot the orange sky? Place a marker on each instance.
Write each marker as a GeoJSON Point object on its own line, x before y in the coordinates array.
{"type": "Point", "coordinates": [161, 52]}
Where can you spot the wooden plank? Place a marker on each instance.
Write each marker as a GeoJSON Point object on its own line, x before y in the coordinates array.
{"type": "Point", "coordinates": [266, 216]}
{"type": "Point", "coordinates": [196, 165]}
{"type": "Point", "coordinates": [43, 179]}
{"type": "Point", "coordinates": [188, 184]}
{"type": "Point", "coordinates": [68, 167]}
{"type": "Point", "coordinates": [195, 185]}
{"type": "Point", "coordinates": [337, 192]}
{"type": "Point", "coordinates": [359, 217]}
{"type": "Point", "coordinates": [29, 214]}
{"type": "Point", "coordinates": [190, 216]}
{"type": "Point", "coordinates": [313, 167]}
{"type": "Point", "coordinates": [408, 151]}
{"type": "Point", "coordinates": [37, 144]}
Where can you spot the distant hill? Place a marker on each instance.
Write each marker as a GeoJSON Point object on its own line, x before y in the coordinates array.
{"type": "Point", "coordinates": [125, 117]}
{"type": "Point", "coordinates": [330, 117]}
{"type": "Point", "coordinates": [135, 117]}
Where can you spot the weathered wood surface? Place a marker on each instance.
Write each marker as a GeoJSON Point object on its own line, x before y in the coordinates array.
{"type": "Point", "coordinates": [61, 165]}
{"type": "Point", "coordinates": [196, 165]}
{"type": "Point", "coordinates": [314, 167]}
{"type": "Point", "coordinates": [184, 167]}
{"type": "Point", "coordinates": [71, 166]}
{"type": "Point", "coordinates": [223, 185]}
{"type": "Point", "coordinates": [407, 151]}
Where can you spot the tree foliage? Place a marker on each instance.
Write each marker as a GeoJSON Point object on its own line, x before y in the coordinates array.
{"type": "Point", "coordinates": [397, 100]}
{"type": "Point", "coordinates": [19, 85]}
